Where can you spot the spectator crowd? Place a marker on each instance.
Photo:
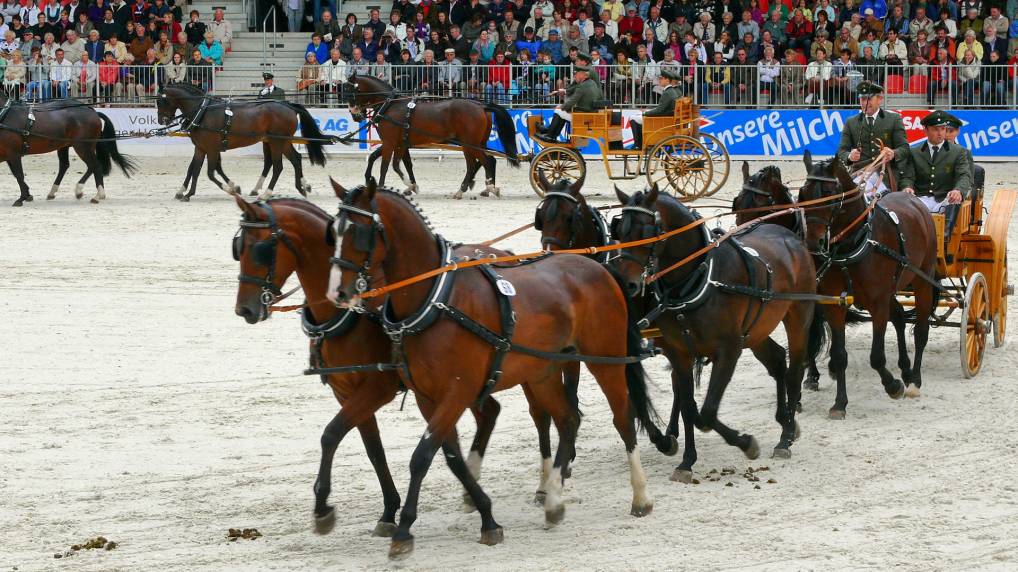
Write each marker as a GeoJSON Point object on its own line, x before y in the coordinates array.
{"type": "Point", "coordinates": [102, 51]}
{"type": "Point", "coordinates": [728, 52]}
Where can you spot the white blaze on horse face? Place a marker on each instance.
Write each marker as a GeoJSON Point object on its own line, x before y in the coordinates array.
{"type": "Point", "coordinates": [335, 272]}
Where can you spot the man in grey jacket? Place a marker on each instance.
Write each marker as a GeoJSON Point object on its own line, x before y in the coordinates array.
{"type": "Point", "coordinates": [450, 73]}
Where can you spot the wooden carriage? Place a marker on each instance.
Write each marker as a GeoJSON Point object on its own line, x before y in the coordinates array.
{"type": "Point", "coordinates": [973, 267]}
{"type": "Point", "coordinates": [675, 154]}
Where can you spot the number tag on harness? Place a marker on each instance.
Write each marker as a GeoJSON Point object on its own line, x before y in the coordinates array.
{"type": "Point", "coordinates": [893, 215]}
{"type": "Point", "coordinates": [506, 287]}
{"type": "Point", "coordinates": [228, 112]}
{"type": "Point", "coordinates": [751, 251]}
{"type": "Point", "coordinates": [411, 105]}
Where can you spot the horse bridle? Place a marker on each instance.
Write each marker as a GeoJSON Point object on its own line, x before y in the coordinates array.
{"type": "Point", "coordinates": [364, 240]}
{"type": "Point", "coordinates": [825, 249]}
{"type": "Point", "coordinates": [263, 253]}
{"type": "Point", "coordinates": [574, 219]}
{"type": "Point", "coordinates": [619, 228]}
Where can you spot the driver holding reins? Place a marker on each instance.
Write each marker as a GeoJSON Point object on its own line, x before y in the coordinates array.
{"type": "Point", "coordinates": [873, 133]}
{"type": "Point", "coordinates": [582, 95]}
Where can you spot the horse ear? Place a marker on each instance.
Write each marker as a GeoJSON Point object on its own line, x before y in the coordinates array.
{"type": "Point", "coordinates": [370, 187]}
{"type": "Point", "coordinates": [574, 189]}
{"type": "Point", "coordinates": [807, 159]}
{"type": "Point", "coordinates": [745, 171]}
{"type": "Point", "coordinates": [338, 189]}
{"type": "Point", "coordinates": [623, 197]}
{"type": "Point", "coordinates": [250, 209]}
{"type": "Point", "coordinates": [545, 185]}
{"type": "Point", "coordinates": [652, 196]}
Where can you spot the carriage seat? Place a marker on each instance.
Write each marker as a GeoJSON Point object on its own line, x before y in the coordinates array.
{"type": "Point", "coordinates": [597, 125]}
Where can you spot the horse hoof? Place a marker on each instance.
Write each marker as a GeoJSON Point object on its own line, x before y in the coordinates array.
{"type": "Point", "coordinates": [812, 384]}
{"type": "Point", "coordinates": [401, 549]}
{"type": "Point", "coordinates": [51, 196]}
{"type": "Point", "coordinates": [912, 391]}
{"type": "Point", "coordinates": [641, 510]}
{"type": "Point", "coordinates": [78, 195]}
{"type": "Point", "coordinates": [539, 497]}
{"type": "Point", "coordinates": [94, 201]}
{"type": "Point", "coordinates": [254, 193]}
{"type": "Point", "coordinates": [326, 522]}
{"type": "Point", "coordinates": [567, 472]}
{"type": "Point", "coordinates": [753, 450]}
{"type": "Point", "coordinates": [668, 445]}
{"type": "Point", "coordinates": [898, 392]}
{"type": "Point", "coordinates": [384, 529]}
{"type": "Point", "coordinates": [178, 196]}
{"type": "Point", "coordinates": [555, 516]}
{"type": "Point", "coordinates": [29, 198]}
{"type": "Point", "coordinates": [836, 414]}
{"type": "Point", "coordinates": [185, 199]}
{"type": "Point", "coordinates": [780, 453]}
{"type": "Point", "coordinates": [18, 203]}
{"type": "Point", "coordinates": [307, 190]}
{"type": "Point", "coordinates": [798, 407]}
{"type": "Point", "coordinates": [492, 537]}
{"type": "Point", "coordinates": [457, 195]}
{"type": "Point", "coordinates": [468, 503]}
{"type": "Point", "coordinates": [682, 476]}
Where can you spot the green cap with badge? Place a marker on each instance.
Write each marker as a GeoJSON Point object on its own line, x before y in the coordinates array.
{"type": "Point", "coordinates": [953, 121]}
{"type": "Point", "coordinates": [936, 119]}
{"type": "Point", "coordinates": [581, 68]}
{"type": "Point", "coordinates": [669, 73]}
{"type": "Point", "coordinates": [868, 89]}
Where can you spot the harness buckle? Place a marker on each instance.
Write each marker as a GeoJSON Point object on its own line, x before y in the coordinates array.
{"type": "Point", "coordinates": [267, 297]}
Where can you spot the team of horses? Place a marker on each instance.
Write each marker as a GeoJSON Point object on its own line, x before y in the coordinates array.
{"type": "Point", "coordinates": [458, 323]}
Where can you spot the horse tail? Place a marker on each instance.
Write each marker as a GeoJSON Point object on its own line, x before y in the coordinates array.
{"type": "Point", "coordinates": [817, 337]}
{"type": "Point", "coordinates": [506, 132]}
{"type": "Point", "coordinates": [107, 153]}
{"type": "Point", "coordinates": [314, 138]}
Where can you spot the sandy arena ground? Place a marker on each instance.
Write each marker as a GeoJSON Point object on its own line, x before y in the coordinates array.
{"type": "Point", "coordinates": [135, 405]}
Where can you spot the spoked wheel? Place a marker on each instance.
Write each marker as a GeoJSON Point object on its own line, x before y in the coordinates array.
{"type": "Point", "coordinates": [720, 161]}
{"type": "Point", "coordinates": [1000, 318]}
{"type": "Point", "coordinates": [683, 164]}
{"type": "Point", "coordinates": [557, 163]}
{"type": "Point", "coordinates": [975, 324]}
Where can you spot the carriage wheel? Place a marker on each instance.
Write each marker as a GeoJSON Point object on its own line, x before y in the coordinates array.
{"type": "Point", "coordinates": [683, 164]}
{"type": "Point", "coordinates": [1000, 318]}
{"type": "Point", "coordinates": [975, 323]}
{"type": "Point", "coordinates": [557, 163]}
{"type": "Point", "coordinates": [720, 160]}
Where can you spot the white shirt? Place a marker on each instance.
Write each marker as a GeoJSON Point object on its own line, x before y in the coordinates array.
{"type": "Point", "coordinates": [61, 71]}
{"type": "Point", "coordinates": [933, 150]}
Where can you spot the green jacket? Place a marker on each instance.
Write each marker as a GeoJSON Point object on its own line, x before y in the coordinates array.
{"type": "Point", "coordinates": [584, 97]}
{"type": "Point", "coordinates": [276, 93]}
{"type": "Point", "coordinates": [857, 134]}
{"type": "Point", "coordinates": [952, 170]}
{"type": "Point", "coordinates": [666, 106]}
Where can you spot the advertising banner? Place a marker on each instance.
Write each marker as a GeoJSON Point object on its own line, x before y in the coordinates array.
{"type": "Point", "coordinates": [748, 133]}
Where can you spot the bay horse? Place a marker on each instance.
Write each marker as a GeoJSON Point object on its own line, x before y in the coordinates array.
{"type": "Point", "coordinates": [445, 327]}
{"type": "Point", "coordinates": [59, 125]}
{"type": "Point", "coordinates": [281, 237]}
{"type": "Point", "coordinates": [404, 123]}
{"type": "Point", "coordinates": [872, 264]}
{"type": "Point", "coordinates": [216, 125]}
{"type": "Point", "coordinates": [725, 299]}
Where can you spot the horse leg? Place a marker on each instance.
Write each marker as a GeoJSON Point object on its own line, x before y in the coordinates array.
{"type": "Point", "coordinates": [357, 411]}
{"type": "Point", "coordinates": [303, 187]}
{"type": "Point", "coordinates": [196, 163]}
{"type": "Point", "coordinates": [215, 166]}
{"type": "Point", "coordinates": [371, 161]}
{"type": "Point", "coordinates": [491, 532]}
{"type": "Point", "coordinates": [387, 154]}
{"type": "Point", "coordinates": [409, 164]}
{"type": "Point", "coordinates": [543, 423]}
{"type": "Point", "coordinates": [721, 374]}
{"type": "Point", "coordinates": [489, 178]}
{"type": "Point", "coordinates": [612, 378]}
{"type": "Point", "coordinates": [266, 165]}
{"type": "Point", "coordinates": [684, 407]}
{"type": "Point", "coordinates": [276, 149]}
{"type": "Point", "coordinates": [64, 161]}
{"type": "Point", "coordinates": [485, 418]}
{"type": "Point", "coordinates": [468, 179]}
{"type": "Point", "coordinates": [926, 302]}
{"type": "Point", "coordinates": [549, 397]}
{"type": "Point", "coordinates": [816, 339]}
{"type": "Point", "coordinates": [772, 356]}
{"type": "Point", "coordinates": [402, 158]}
{"type": "Point", "coordinates": [797, 325]}
{"type": "Point", "coordinates": [441, 427]}
{"type": "Point", "coordinates": [878, 359]}
{"type": "Point", "coordinates": [838, 363]}
{"type": "Point", "coordinates": [14, 164]}
{"type": "Point", "coordinates": [898, 320]}
{"type": "Point", "coordinates": [87, 154]}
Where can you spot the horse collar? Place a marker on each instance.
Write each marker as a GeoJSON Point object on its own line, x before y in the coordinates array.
{"type": "Point", "coordinates": [432, 308]}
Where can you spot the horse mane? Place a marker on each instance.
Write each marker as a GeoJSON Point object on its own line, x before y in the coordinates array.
{"type": "Point", "coordinates": [389, 191]}
{"type": "Point", "coordinates": [377, 85]}
{"type": "Point", "coordinates": [190, 88]}
{"type": "Point", "coordinates": [303, 205]}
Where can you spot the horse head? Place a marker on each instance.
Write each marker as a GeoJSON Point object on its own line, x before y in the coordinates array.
{"type": "Point", "coordinates": [367, 92]}
{"type": "Point", "coordinates": [559, 216]}
{"type": "Point", "coordinates": [760, 191]}
{"type": "Point", "coordinates": [267, 257]}
{"type": "Point", "coordinates": [825, 179]}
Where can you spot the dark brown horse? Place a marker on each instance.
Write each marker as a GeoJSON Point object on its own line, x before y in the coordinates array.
{"type": "Point", "coordinates": [284, 236]}
{"type": "Point", "coordinates": [57, 126]}
{"type": "Point", "coordinates": [871, 262]}
{"type": "Point", "coordinates": [216, 125]}
{"type": "Point", "coordinates": [446, 327]}
{"type": "Point", "coordinates": [404, 123]}
{"type": "Point", "coordinates": [723, 300]}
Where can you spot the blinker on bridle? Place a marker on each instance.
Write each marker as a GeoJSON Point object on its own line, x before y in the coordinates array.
{"type": "Point", "coordinates": [364, 241]}
{"type": "Point", "coordinates": [263, 253]}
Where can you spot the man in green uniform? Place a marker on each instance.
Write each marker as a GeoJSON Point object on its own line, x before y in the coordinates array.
{"type": "Point", "coordinates": [938, 171]}
{"type": "Point", "coordinates": [583, 97]}
{"type": "Point", "coordinates": [665, 107]}
{"type": "Point", "coordinates": [978, 174]}
{"type": "Point", "coordinates": [271, 90]}
{"type": "Point", "coordinates": [863, 134]}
